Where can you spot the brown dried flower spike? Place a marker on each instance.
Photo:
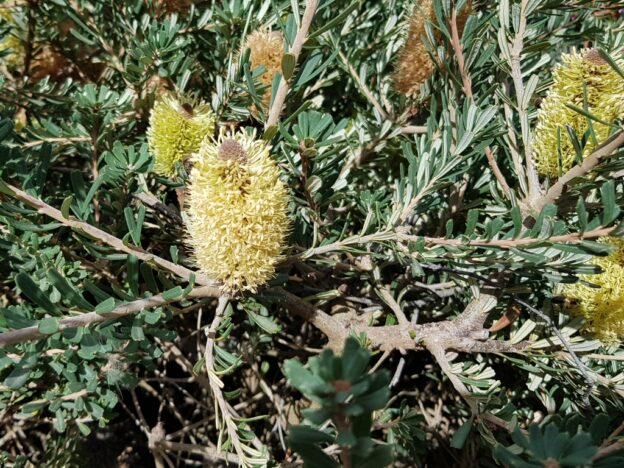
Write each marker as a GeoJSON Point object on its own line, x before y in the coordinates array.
{"type": "Point", "coordinates": [266, 49]}
{"type": "Point", "coordinates": [414, 65]}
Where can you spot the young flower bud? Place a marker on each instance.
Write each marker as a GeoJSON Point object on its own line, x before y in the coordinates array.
{"type": "Point", "coordinates": [414, 65]}
{"type": "Point", "coordinates": [584, 80]}
{"type": "Point", "coordinates": [236, 211]}
{"type": "Point", "coordinates": [266, 48]}
{"type": "Point", "coordinates": [602, 307]}
{"type": "Point", "coordinates": [177, 126]}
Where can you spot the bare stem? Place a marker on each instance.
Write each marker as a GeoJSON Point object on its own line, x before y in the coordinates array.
{"type": "Point", "coordinates": [87, 319]}
{"type": "Point", "coordinates": [516, 75]}
{"type": "Point", "coordinates": [295, 51]}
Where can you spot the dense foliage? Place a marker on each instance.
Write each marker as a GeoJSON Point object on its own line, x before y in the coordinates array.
{"type": "Point", "coordinates": [438, 301]}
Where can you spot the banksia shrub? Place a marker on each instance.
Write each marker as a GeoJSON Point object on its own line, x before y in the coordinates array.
{"type": "Point", "coordinates": [365, 278]}
{"type": "Point", "coordinates": [237, 219]}
{"type": "Point", "coordinates": [266, 49]}
{"type": "Point", "coordinates": [586, 81]}
{"type": "Point", "coordinates": [177, 126]}
{"type": "Point", "coordinates": [602, 302]}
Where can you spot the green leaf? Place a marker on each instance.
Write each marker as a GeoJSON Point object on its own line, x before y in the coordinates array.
{"type": "Point", "coordinates": [173, 293]}
{"type": "Point", "coordinates": [612, 63]}
{"type": "Point", "coordinates": [354, 360]}
{"type": "Point", "coordinates": [300, 377]}
{"type": "Point", "coordinates": [68, 292]}
{"type": "Point", "coordinates": [132, 265]}
{"type": "Point", "coordinates": [136, 331]}
{"type": "Point", "coordinates": [336, 21]}
{"type": "Point", "coordinates": [611, 210]}
{"type": "Point", "coordinates": [381, 456]}
{"type": "Point", "coordinates": [83, 428]}
{"type": "Point", "coordinates": [6, 126]}
{"type": "Point", "coordinates": [309, 435]}
{"type": "Point", "coordinates": [313, 456]}
{"type": "Point", "coordinates": [66, 206]}
{"type": "Point", "coordinates": [460, 436]}
{"type": "Point", "coordinates": [20, 373]}
{"type": "Point", "coordinates": [48, 326]}
{"type": "Point", "coordinates": [135, 226]}
{"type": "Point", "coordinates": [32, 291]}
{"type": "Point", "coordinates": [288, 65]}
{"type": "Point", "coordinates": [268, 324]}
{"type": "Point", "coordinates": [105, 307]}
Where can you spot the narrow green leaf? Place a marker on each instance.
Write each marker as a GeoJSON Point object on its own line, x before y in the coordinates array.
{"type": "Point", "coordinates": [610, 208]}
{"type": "Point", "coordinates": [67, 291]}
{"type": "Point", "coordinates": [66, 206]}
{"type": "Point", "coordinates": [132, 268]}
{"type": "Point", "coordinates": [173, 293]}
{"type": "Point", "coordinates": [32, 291]}
{"type": "Point", "coordinates": [460, 436]}
{"type": "Point", "coordinates": [266, 323]}
{"type": "Point", "coordinates": [288, 65]}
{"type": "Point", "coordinates": [611, 62]}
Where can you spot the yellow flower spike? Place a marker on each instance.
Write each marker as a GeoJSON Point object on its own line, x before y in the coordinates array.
{"type": "Point", "coordinates": [236, 211]}
{"type": "Point", "coordinates": [11, 44]}
{"type": "Point", "coordinates": [414, 65]}
{"type": "Point", "coordinates": [177, 126]}
{"type": "Point", "coordinates": [603, 307]}
{"type": "Point", "coordinates": [266, 48]}
{"type": "Point", "coordinates": [605, 93]}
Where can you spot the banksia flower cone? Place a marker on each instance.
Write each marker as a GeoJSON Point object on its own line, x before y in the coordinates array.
{"type": "Point", "coordinates": [11, 44]}
{"type": "Point", "coordinates": [236, 211]}
{"type": "Point", "coordinates": [266, 48]}
{"type": "Point", "coordinates": [414, 65]}
{"type": "Point", "coordinates": [177, 127]}
{"type": "Point", "coordinates": [603, 307]}
{"type": "Point", "coordinates": [587, 81]}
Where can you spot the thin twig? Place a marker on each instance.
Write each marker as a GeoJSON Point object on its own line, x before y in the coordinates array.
{"type": "Point", "coordinates": [459, 55]}
{"type": "Point", "coordinates": [582, 368]}
{"type": "Point", "coordinates": [116, 243]}
{"type": "Point", "coordinates": [150, 200]}
{"type": "Point", "coordinates": [216, 385]}
{"type": "Point", "coordinates": [385, 294]}
{"type": "Point", "coordinates": [62, 140]}
{"type": "Point", "coordinates": [385, 236]}
{"type": "Point", "coordinates": [87, 319]}
{"type": "Point", "coordinates": [467, 88]}
{"type": "Point", "coordinates": [516, 75]}
{"type": "Point", "coordinates": [295, 51]}
{"type": "Point", "coordinates": [365, 90]}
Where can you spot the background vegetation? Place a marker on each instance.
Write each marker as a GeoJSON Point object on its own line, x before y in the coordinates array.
{"type": "Point", "coordinates": [420, 228]}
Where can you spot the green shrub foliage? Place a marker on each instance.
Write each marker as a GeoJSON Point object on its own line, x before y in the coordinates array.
{"type": "Point", "coordinates": [430, 276]}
